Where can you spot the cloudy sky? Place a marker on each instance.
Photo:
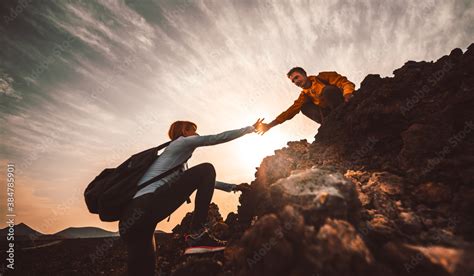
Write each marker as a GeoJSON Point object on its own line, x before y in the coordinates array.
{"type": "Point", "coordinates": [85, 84]}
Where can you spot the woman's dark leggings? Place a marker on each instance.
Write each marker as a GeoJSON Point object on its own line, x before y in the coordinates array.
{"type": "Point", "coordinates": [139, 220]}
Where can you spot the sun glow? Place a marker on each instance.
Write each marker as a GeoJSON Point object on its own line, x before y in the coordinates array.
{"type": "Point", "coordinates": [253, 148]}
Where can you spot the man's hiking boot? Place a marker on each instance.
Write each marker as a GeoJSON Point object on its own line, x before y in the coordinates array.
{"type": "Point", "coordinates": [203, 242]}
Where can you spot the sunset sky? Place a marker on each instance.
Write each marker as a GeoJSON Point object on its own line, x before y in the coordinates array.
{"type": "Point", "coordinates": [85, 84]}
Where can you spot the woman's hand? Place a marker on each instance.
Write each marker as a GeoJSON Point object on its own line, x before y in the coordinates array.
{"type": "Point", "coordinates": [258, 124]}
{"type": "Point", "coordinates": [243, 187]}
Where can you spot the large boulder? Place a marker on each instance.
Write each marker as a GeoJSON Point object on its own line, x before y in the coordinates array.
{"type": "Point", "coordinates": [317, 194]}
{"type": "Point", "coordinates": [283, 244]}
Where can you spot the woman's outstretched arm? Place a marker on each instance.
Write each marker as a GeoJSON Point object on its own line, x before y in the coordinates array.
{"type": "Point", "coordinates": [226, 136]}
{"type": "Point", "coordinates": [228, 187]}
{"type": "Point", "coordinates": [209, 140]}
{"type": "Point", "coordinates": [223, 186]}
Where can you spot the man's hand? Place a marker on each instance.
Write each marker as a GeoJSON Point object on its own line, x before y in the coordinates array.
{"type": "Point", "coordinates": [347, 97]}
{"type": "Point", "coordinates": [263, 128]}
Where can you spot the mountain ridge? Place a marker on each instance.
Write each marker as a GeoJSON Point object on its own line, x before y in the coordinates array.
{"type": "Point", "coordinates": [24, 231]}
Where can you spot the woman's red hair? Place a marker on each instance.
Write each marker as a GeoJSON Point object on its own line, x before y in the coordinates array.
{"type": "Point", "coordinates": [177, 128]}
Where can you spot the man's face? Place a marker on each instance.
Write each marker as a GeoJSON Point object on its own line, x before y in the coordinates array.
{"type": "Point", "coordinates": [298, 79]}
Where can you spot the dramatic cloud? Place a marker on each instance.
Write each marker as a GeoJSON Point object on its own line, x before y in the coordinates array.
{"type": "Point", "coordinates": [6, 86]}
{"type": "Point", "coordinates": [84, 84]}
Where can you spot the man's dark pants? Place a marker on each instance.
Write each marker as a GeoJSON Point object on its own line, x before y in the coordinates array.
{"type": "Point", "coordinates": [332, 95]}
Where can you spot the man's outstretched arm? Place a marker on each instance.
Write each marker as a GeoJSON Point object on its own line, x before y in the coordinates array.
{"type": "Point", "coordinates": [294, 109]}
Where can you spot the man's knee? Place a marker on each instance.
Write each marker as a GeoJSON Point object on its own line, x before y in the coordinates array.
{"type": "Point", "coordinates": [208, 169]}
{"type": "Point", "coordinates": [307, 108]}
{"type": "Point", "coordinates": [332, 95]}
{"type": "Point", "coordinates": [311, 111]}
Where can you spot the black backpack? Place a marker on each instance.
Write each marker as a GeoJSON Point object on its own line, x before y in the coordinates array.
{"type": "Point", "coordinates": [110, 192]}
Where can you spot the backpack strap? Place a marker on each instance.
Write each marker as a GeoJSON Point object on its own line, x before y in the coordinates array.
{"type": "Point", "coordinates": [162, 146]}
{"type": "Point", "coordinates": [168, 172]}
{"type": "Point", "coordinates": [146, 183]}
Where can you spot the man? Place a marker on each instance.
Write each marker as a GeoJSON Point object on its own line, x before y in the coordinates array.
{"type": "Point", "coordinates": [320, 95]}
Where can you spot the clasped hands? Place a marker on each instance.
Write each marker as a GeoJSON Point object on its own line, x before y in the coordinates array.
{"type": "Point", "coordinates": [261, 127]}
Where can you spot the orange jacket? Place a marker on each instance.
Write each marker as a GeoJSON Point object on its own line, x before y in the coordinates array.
{"type": "Point", "coordinates": [314, 93]}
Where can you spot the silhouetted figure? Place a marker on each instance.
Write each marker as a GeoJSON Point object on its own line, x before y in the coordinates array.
{"type": "Point", "coordinates": [158, 200]}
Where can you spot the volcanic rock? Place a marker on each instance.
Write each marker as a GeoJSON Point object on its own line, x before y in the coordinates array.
{"type": "Point", "coordinates": [386, 188]}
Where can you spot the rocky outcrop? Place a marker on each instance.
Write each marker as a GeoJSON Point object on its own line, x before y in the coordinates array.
{"type": "Point", "coordinates": [317, 194]}
{"type": "Point", "coordinates": [386, 188]}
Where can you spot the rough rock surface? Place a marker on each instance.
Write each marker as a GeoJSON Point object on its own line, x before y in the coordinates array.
{"type": "Point", "coordinates": [317, 194]}
{"type": "Point", "coordinates": [387, 188]}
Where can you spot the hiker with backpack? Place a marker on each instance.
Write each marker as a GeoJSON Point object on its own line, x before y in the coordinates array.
{"type": "Point", "coordinates": [161, 198]}
{"type": "Point", "coordinates": [320, 95]}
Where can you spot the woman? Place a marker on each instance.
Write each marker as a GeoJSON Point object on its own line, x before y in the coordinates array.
{"type": "Point", "coordinates": [158, 200]}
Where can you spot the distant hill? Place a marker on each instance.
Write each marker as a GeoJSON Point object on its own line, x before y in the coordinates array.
{"type": "Point", "coordinates": [84, 232]}
{"type": "Point", "coordinates": [21, 231]}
